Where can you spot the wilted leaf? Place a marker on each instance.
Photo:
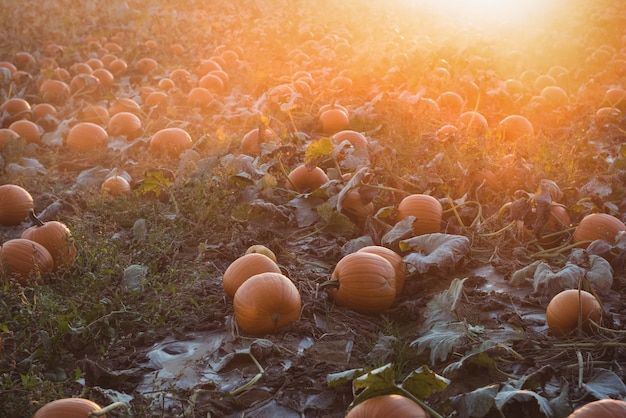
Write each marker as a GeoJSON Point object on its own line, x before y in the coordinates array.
{"type": "Point", "coordinates": [441, 340]}
{"type": "Point", "coordinates": [547, 284]}
{"type": "Point", "coordinates": [306, 210]}
{"type": "Point", "coordinates": [605, 384]}
{"type": "Point", "coordinates": [423, 382]}
{"type": "Point", "coordinates": [521, 397]}
{"type": "Point", "coordinates": [441, 308]}
{"type": "Point", "coordinates": [333, 221]}
{"type": "Point", "coordinates": [400, 231]}
{"type": "Point", "coordinates": [336, 379]}
{"type": "Point", "coordinates": [436, 253]}
{"type": "Point", "coordinates": [357, 179]}
{"type": "Point", "coordinates": [477, 403]}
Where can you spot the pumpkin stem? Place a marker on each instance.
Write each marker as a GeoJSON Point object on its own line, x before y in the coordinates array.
{"type": "Point", "coordinates": [108, 408]}
{"type": "Point", "coordinates": [34, 219]}
{"type": "Point", "coordinates": [252, 381]}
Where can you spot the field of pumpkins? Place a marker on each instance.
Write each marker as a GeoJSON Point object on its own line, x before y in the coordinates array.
{"type": "Point", "coordinates": [312, 209]}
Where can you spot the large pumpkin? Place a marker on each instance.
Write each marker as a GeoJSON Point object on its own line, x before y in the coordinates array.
{"type": "Point", "coordinates": [68, 408]}
{"type": "Point", "coordinates": [427, 210]}
{"type": "Point", "coordinates": [365, 283]}
{"type": "Point", "coordinates": [597, 226]}
{"type": "Point", "coordinates": [86, 136]}
{"type": "Point", "coordinates": [245, 267]}
{"type": "Point", "coordinates": [170, 141]}
{"type": "Point", "coordinates": [394, 259]}
{"type": "Point", "coordinates": [387, 406]}
{"type": "Point", "coordinates": [564, 309]}
{"type": "Point", "coordinates": [24, 259]}
{"type": "Point", "coordinates": [56, 237]}
{"type": "Point", "coordinates": [266, 302]}
{"type": "Point", "coordinates": [603, 408]}
{"type": "Point", "coordinates": [15, 203]}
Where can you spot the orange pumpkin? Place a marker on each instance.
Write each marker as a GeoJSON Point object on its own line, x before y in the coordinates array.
{"type": "Point", "coordinates": [14, 109]}
{"type": "Point", "coordinates": [126, 124]}
{"type": "Point", "coordinates": [54, 91]}
{"type": "Point", "coordinates": [262, 249]}
{"type": "Point", "coordinates": [266, 302]}
{"type": "Point", "coordinates": [387, 406]}
{"type": "Point", "coordinates": [356, 139]}
{"type": "Point", "coordinates": [563, 311]}
{"type": "Point", "coordinates": [334, 120]}
{"type": "Point", "coordinates": [68, 408]}
{"type": "Point", "coordinates": [15, 203]}
{"type": "Point", "coordinates": [558, 220]}
{"type": "Point", "coordinates": [365, 283]}
{"type": "Point", "coordinates": [427, 210]}
{"type": "Point", "coordinates": [252, 140]}
{"type": "Point", "coordinates": [56, 237]}
{"type": "Point", "coordinates": [597, 226]}
{"type": "Point", "coordinates": [28, 130]}
{"type": "Point", "coordinates": [86, 136]}
{"type": "Point", "coordinates": [515, 127]}
{"type": "Point", "coordinates": [604, 408]}
{"type": "Point", "coordinates": [24, 259]}
{"type": "Point", "coordinates": [303, 180]}
{"type": "Point", "coordinates": [394, 259]}
{"type": "Point", "coordinates": [245, 267]}
{"type": "Point", "coordinates": [353, 204]}
{"type": "Point", "coordinates": [170, 141]}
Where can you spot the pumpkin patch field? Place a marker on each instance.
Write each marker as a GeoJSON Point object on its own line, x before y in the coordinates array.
{"type": "Point", "coordinates": [298, 208]}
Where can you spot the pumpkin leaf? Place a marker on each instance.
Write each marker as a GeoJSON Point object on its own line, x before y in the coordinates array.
{"type": "Point", "coordinates": [156, 181]}
{"type": "Point", "coordinates": [441, 308]}
{"type": "Point", "coordinates": [336, 379]}
{"type": "Point", "coordinates": [525, 400]}
{"type": "Point", "coordinates": [476, 403]}
{"type": "Point", "coordinates": [436, 253]}
{"type": "Point", "coordinates": [423, 382]}
{"type": "Point", "coordinates": [333, 221]}
{"type": "Point", "coordinates": [318, 149]}
{"type": "Point", "coordinates": [382, 377]}
{"type": "Point", "coordinates": [441, 340]}
{"type": "Point", "coordinates": [605, 384]}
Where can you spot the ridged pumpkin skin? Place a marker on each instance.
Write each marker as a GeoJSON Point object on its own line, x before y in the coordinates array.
{"type": "Point", "coordinates": [427, 211]}
{"type": "Point", "coordinates": [245, 267]}
{"type": "Point", "coordinates": [597, 226]}
{"type": "Point", "coordinates": [15, 203]}
{"type": "Point", "coordinates": [301, 179]}
{"type": "Point", "coordinates": [367, 283]}
{"type": "Point", "coordinates": [86, 136]}
{"type": "Point", "coordinates": [604, 408]}
{"type": "Point", "coordinates": [23, 259]}
{"type": "Point", "coordinates": [68, 408]}
{"type": "Point", "coordinates": [394, 259]}
{"type": "Point", "coordinates": [266, 302]}
{"type": "Point", "coordinates": [562, 312]}
{"type": "Point", "coordinates": [387, 406]}
{"type": "Point", "coordinates": [56, 237]}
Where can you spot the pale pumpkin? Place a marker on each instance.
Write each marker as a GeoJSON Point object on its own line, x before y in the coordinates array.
{"type": "Point", "coordinates": [244, 267]}
{"type": "Point", "coordinates": [266, 302]}
{"type": "Point", "coordinates": [364, 282]}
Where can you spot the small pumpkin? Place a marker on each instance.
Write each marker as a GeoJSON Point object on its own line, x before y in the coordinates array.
{"type": "Point", "coordinates": [56, 237]}
{"type": "Point", "coordinates": [68, 408]}
{"type": "Point", "coordinates": [24, 259]}
{"type": "Point", "coordinates": [15, 203]}
{"type": "Point", "coordinates": [303, 179]}
{"type": "Point", "coordinates": [364, 282]}
{"type": "Point", "coordinates": [262, 249]}
{"type": "Point", "coordinates": [605, 408]}
{"type": "Point", "coordinates": [387, 406]}
{"type": "Point", "coordinates": [266, 302]}
{"type": "Point", "coordinates": [427, 210]}
{"type": "Point", "coordinates": [86, 136]}
{"type": "Point", "coordinates": [115, 186]}
{"type": "Point", "coordinates": [597, 226]}
{"type": "Point", "coordinates": [394, 259]}
{"type": "Point", "coordinates": [244, 267]}
{"type": "Point", "coordinates": [563, 312]}
{"type": "Point", "coordinates": [170, 141]}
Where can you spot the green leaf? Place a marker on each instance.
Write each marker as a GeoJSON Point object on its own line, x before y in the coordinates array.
{"type": "Point", "coordinates": [334, 221]}
{"type": "Point", "coordinates": [423, 382]}
{"type": "Point", "coordinates": [336, 379]}
{"type": "Point", "coordinates": [319, 149]}
{"type": "Point", "coordinates": [380, 378]}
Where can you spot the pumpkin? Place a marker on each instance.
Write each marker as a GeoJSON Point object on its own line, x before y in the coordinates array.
{"type": "Point", "coordinates": [15, 203]}
{"type": "Point", "coordinates": [199, 97]}
{"type": "Point", "coordinates": [597, 226]}
{"type": "Point", "coordinates": [170, 141]}
{"type": "Point", "coordinates": [364, 282]}
{"type": "Point", "coordinates": [303, 179]}
{"type": "Point", "coordinates": [356, 139]}
{"type": "Point", "coordinates": [97, 114]}
{"type": "Point", "coordinates": [104, 76]}
{"type": "Point", "coordinates": [427, 210]}
{"type": "Point", "coordinates": [558, 220]}
{"type": "Point", "coordinates": [472, 122]}
{"type": "Point", "coordinates": [334, 120]}
{"type": "Point", "coordinates": [86, 136]}
{"type": "Point", "coordinates": [124, 124]}
{"type": "Point", "coordinates": [7, 136]}
{"type": "Point", "coordinates": [68, 408]}
{"type": "Point", "coordinates": [14, 109]}
{"type": "Point", "coordinates": [394, 259]}
{"type": "Point", "coordinates": [56, 237]}
{"type": "Point", "coordinates": [24, 259]}
{"type": "Point", "coordinates": [607, 116]}
{"type": "Point", "coordinates": [54, 91]}
{"type": "Point", "coordinates": [604, 408]}
{"type": "Point", "coordinates": [387, 406]}
{"type": "Point", "coordinates": [555, 96]}
{"type": "Point", "coordinates": [262, 249]}
{"type": "Point", "coordinates": [146, 65]}
{"type": "Point", "coordinates": [28, 130]}
{"type": "Point", "coordinates": [353, 204]}
{"type": "Point", "coordinates": [252, 140]}
{"type": "Point", "coordinates": [125, 105]}
{"type": "Point", "coordinates": [450, 102]}
{"type": "Point", "coordinates": [266, 302]}
{"type": "Point", "coordinates": [563, 311]}
{"type": "Point", "coordinates": [115, 186]}
{"type": "Point", "coordinates": [245, 267]}
{"type": "Point", "coordinates": [515, 127]}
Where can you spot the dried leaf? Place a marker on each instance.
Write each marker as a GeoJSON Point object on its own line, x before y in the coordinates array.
{"type": "Point", "coordinates": [436, 253]}
{"type": "Point", "coordinates": [605, 384]}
